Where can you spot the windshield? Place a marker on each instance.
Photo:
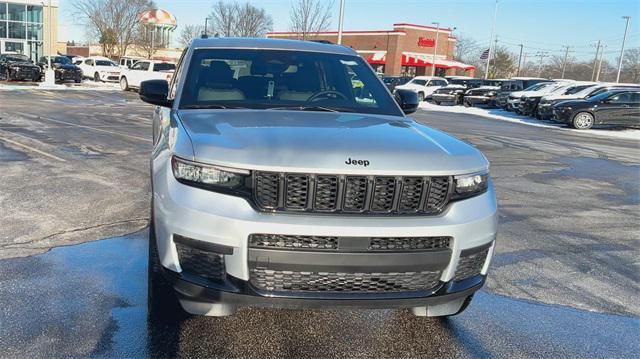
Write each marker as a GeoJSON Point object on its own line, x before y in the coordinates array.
{"type": "Point", "coordinates": [601, 95]}
{"type": "Point", "coordinates": [536, 87]}
{"type": "Point", "coordinates": [104, 63]}
{"type": "Point", "coordinates": [60, 60]}
{"type": "Point", "coordinates": [164, 66]}
{"type": "Point", "coordinates": [18, 58]}
{"type": "Point", "coordinates": [284, 80]}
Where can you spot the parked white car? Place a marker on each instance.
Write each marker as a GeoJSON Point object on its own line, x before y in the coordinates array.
{"type": "Point", "coordinates": [424, 86]}
{"type": "Point", "coordinates": [144, 70]}
{"type": "Point", "coordinates": [127, 61]}
{"type": "Point", "coordinates": [515, 97]}
{"type": "Point", "coordinates": [99, 68]}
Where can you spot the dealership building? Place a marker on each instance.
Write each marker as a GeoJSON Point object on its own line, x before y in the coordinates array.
{"type": "Point", "coordinates": [25, 24]}
{"type": "Point", "coordinates": [407, 49]}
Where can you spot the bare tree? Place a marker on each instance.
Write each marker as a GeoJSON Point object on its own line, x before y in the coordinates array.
{"type": "Point", "coordinates": [466, 49]}
{"type": "Point", "coordinates": [188, 33]}
{"type": "Point", "coordinates": [145, 41]}
{"type": "Point", "coordinates": [244, 20]}
{"type": "Point", "coordinates": [631, 65]}
{"type": "Point", "coordinates": [252, 21]}
{"type": "Point", "coordinates": [112, 22]}
{"type": "Point", "coordinates": [310, 17]}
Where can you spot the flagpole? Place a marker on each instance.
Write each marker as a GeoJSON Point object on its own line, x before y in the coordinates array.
{"type": "Point", "coordinates": [493, 29]}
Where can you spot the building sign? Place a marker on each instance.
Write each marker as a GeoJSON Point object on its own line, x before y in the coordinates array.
{"type": "Point", "coordinates": [424, 42]}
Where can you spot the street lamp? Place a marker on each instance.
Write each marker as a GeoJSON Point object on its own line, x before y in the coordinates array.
{"type": "Point", "coordinates": [50, 75]}
{"type": "Point", "coordinates": [435, 48]}
{"type": "Point", "coordinates": [624, 39]}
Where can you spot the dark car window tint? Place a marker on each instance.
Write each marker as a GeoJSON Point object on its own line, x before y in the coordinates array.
{"type": "Point", "coordinates": [280, 79]}
{"type": "Point", "coordinates": [419, 82]}
{"type": "Point", "coordinates": [104, 63]}
{"type": "Point", "coordinates": [164, 66]}
{"type": "Point", "coordinates": [624, 97]}
{"type": "Point", "coordinates": [635, 97]}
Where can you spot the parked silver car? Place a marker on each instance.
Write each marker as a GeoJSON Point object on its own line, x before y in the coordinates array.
{"type": "Point", "coordinates": [285, 174]}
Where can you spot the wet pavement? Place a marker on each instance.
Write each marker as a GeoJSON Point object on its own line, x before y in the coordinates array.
{"type": "Point", "coordinates": [89, 300]}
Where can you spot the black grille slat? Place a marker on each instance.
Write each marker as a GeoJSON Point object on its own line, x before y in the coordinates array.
{"type": "Point", "coordinates": [351, 194]}
{"type": "Point", "coordinates": [438, 193]}
{"type": "Point", "coordinates": [326, 193]}
{"type": "Point", "coordinates": [328, 282]}
{"type": "Point", "coordinates": [355, 194]}
{"type": "Point", "coordinates": [297, 191]}
{"type": "Point", "coordinates": [384, 190]}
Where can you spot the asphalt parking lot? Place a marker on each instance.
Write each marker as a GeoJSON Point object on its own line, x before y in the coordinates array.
{"type": "Point", "coordinates": [74, 164]}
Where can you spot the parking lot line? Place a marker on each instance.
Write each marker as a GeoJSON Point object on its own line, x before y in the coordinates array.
{"type": "Point", "coordinates": [84, 126]}
{"type": "Point", "coordinates": [33, 149]}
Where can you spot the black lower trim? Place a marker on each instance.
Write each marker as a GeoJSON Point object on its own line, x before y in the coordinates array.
{"type": "Point", "coordinates": [239, 292]}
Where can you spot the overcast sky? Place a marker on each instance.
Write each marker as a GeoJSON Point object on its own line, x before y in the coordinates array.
{"type": "Point", "coordinates": [541, 25]}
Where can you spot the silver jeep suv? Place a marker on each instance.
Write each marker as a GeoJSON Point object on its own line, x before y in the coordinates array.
{"type": "Point", "coordinates": [285, 174]}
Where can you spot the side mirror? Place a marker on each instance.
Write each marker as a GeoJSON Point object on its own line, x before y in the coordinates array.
{"type": "Point", "coordinates": [408, 100]}
{"type": "Point", "coordinates": [155, 92]}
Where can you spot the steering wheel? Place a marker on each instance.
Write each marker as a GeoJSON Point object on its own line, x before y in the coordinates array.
{"type": "Point", "coordinates": [317, 95]}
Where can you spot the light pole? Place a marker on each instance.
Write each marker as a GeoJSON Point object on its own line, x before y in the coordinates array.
{"type": "Point", "coordinates": [50, 75]}
{"type": "Point", "coordinates": [493, 29]}
{"type": "Point", "coordinates": [340, 22]}
{"type": "Point", "coordinates": [435, 48]}
{"type": "Point", "coordinates": [564, 63]}
{"type": "Point", "coordinates": [624, 39]}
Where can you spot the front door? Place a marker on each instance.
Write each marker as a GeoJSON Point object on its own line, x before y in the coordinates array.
{"type": "Point", "coordinates": [614, 109]}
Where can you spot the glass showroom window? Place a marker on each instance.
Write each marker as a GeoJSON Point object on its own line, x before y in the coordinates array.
{"type": "Point", "coordinates": [3, 28]}
{"type": "Point", "coordinates": [34, 32]}
{"type": "Point", "coordinates": [17, 30]}
{"type": "Point", "coordinates": [35, 50]}
{"type": "Point", "coordinates": [34, 14]}
{"type": "Point", "coordinates": [3, 11]}
{"type": "Point", "coordinates": [17, 12]}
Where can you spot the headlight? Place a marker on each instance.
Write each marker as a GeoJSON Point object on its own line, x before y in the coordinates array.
{"type": "Point", "coordinates": [491, 93]}
{"type": "Point", "coordinates": [207, 176]}
{"type": "Point", "coordinates": [470, 185]}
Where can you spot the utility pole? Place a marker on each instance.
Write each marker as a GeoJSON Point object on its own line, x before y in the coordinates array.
{"type": "Point", "coordinates": [524, 62]}
{"type": "Point", "coordinates": [542, 55]}
{"type": "Point", "coordinates": [205, 33]}
{"type": "Point", "coordinates": [564, 63]}
{"type": "Point", "coordinates": [493, 29]}
{"type": "Point", "coordinates": [340, 22]}
{"type": "Point", "coordinates": [595, 62]}
{"type": "Point", "coordinates": [600, 62]}
{"type": "Point", "coordinates": [520, 60]}
{"type": "Point", "coordinates": [624, 39]}
{"type": "Point", "coordinates": [435, 48]}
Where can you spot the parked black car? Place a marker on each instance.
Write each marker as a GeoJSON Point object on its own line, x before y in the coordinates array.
{"type": "Point", "coordinates": [620, 107]}
{"type": "Point", "coordinates": [451, 93]}
{"type": "Point", "coordinates": [512, 85]}
{"type": "Point", "coordinates": [63, 68]}
{"type": "Point", "coordinates": [393, 81]}
{"type": "Point", "coordinates": [545, 107]}
{"type": "Point", "coordinates": [483, 95]}
{"type": "Point", "coordinates": [529, 104]}
{"type": "Point", "coordinates": [18, 67]}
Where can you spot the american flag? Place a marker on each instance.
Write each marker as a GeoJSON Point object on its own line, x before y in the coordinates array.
{"type": "Point", "coordinates": [484, 55]}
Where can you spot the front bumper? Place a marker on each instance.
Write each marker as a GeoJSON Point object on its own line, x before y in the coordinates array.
{"type": "Point", "coordinates": [513, 104]}
{"type": "Point", "coordinates": [441, 97]}
{"type": "Point", "coordinates": [479, 100]}
{"type": "Point", "coordinates": [228, 221]}
{"type": "Point", "coordinates": [562, 115]}
{"type": "Point", "coordinates": [545, 110]}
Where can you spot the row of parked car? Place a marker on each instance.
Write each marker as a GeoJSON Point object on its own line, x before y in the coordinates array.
{"type": "Point", "coordinates": [129, 73]}
{"type": "Point", "coordinates": [580, 104]}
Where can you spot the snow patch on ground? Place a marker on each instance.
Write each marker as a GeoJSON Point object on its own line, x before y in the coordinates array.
{"type": "Point", "coordinates": [85, 85]}
{"type": "Point", "coordinates": [499, 114]}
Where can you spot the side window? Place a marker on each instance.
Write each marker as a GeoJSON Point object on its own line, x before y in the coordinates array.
{"type": "Point", "coordinates": [635, 97]}
{"type": "Point", "coordinates": [624, 97]}
{"type": "Point", "coordinates": [144, 66]}
{"type": "Point", "coordinates": [137, 66]}
{"type": "Point", "coordinates": [88, 62]}
{"type": "Point", "coordinates": [173, 85]}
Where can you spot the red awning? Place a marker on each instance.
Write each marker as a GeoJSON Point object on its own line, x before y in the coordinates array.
{"type": "Point", "coordinates": [416, 59]}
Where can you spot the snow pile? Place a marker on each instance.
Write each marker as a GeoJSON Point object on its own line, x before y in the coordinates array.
{"type": "Point", "coordinates": [499, 114]}
{"type": "Point", "coordinates": [35, 86]}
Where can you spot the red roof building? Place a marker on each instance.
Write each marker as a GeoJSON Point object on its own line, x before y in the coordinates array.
{"type": "Point", "coordinates": [408, 49]}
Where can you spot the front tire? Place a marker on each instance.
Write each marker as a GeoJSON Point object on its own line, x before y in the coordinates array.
{"type": "Point", "coordinates": [420, 96]}
{"type": "Point", "coordinates": [124, 84]}
{"type": "Point", "coordinates": [437, 102]}
{"type": "Point", "coordinates": [96, 77]}
{"type": "Point", "coordinates": [162, 303]}
{"type": "Point", "coordinates": [582, 121]}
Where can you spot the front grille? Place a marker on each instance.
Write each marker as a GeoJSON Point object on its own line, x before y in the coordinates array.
{"type": "Point", "coordinates": [350, 194]}
{"type": "Point", "coordinates": [277, 280]}
{"type": "Point", "coordinates": [408, 243]}
{"type": "Point", "coordinates": [209, 265]}
{"type": "Point", "coordinates": [470, 265]}
{"type": "Point", "coordinates": [277, 241]}
{"type": "Point", "coordinates": [323, 243]}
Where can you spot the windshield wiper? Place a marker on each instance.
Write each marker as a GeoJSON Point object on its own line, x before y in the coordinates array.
{"type": "Point", "coordinates": [211, 106]}
{"type": "Point", "coordinates": [303, 108]}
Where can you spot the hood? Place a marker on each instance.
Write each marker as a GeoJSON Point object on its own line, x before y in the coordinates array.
{"type": "Point", "coordinates": [107, 68]}
{"type": "Point", "coordinates": [21, 64]}
{"type": "Point", "coordinates": [561, 97]}
{"type": "Point", "coordinates": [322, 142]}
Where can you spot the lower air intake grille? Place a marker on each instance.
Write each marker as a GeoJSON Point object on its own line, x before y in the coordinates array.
{"type": "Point", "coordinates": [277, 241]}
{"type": "Point", "coordinates": [209, 265]}
{"type": "Point", "coordinates": [275, 280]}
{"type": "Point", "coordinates": [470, 265]}
{"type": "Point", "coordinates": [408, 243]}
